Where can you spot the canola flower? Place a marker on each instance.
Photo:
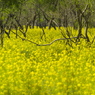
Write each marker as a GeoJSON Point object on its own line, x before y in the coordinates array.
{"type": "Point", "coordinates": [26, 69]}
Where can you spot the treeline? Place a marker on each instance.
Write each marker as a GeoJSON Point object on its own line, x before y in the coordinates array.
{"type": "Point", "coordinates": [52, 13]}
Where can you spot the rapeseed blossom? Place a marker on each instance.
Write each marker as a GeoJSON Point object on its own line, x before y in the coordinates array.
{"type": "Point", "coordinates": [26, 69]}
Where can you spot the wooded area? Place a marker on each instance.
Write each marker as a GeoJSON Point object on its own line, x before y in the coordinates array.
{"type": "Point", "coordinates": [20, 14]}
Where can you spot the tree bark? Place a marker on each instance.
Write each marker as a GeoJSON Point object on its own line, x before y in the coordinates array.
{"type": "Point", "coordinates": [79, 24]}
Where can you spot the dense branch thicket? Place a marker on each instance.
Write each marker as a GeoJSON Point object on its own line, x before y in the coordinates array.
{"type": "Point", "coordinates": [23, 14]}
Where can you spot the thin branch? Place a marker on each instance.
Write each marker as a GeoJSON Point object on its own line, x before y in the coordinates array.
{"type": "Point", "coordinates": [24, 39]}
{"type": "Point", "coordinates": [84, 9]}
{"type": "Point", "coordinates": [55, 41]}
{"type": "Point", "coordinates": [93, 40]}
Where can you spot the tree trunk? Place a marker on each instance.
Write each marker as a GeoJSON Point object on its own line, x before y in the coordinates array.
{"type": "Point", "coordinates": [86, 31]}
{"type": "Point", "coordinates": [1, 33]}
{"type": "Point", "coordinates": [2, 38]}
{"type": "Point", "coordinates": [34, 19]}
{"type": "Point", "coordinates": [79, 25]}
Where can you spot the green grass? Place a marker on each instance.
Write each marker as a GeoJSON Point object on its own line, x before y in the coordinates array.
{"type": "Point", "coordinates": [58, 69]}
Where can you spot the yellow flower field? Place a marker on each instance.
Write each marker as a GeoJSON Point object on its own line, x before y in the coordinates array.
{"type": "Point", "coordinates": [58, 69]}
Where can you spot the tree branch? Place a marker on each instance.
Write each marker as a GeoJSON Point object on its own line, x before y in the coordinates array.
{"type": "Point", "coordinates": [24, 39]}
{"type": "Point", "coordinates": [43, 44]}
{"type": "Point", "coordinates": [93, 39]}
